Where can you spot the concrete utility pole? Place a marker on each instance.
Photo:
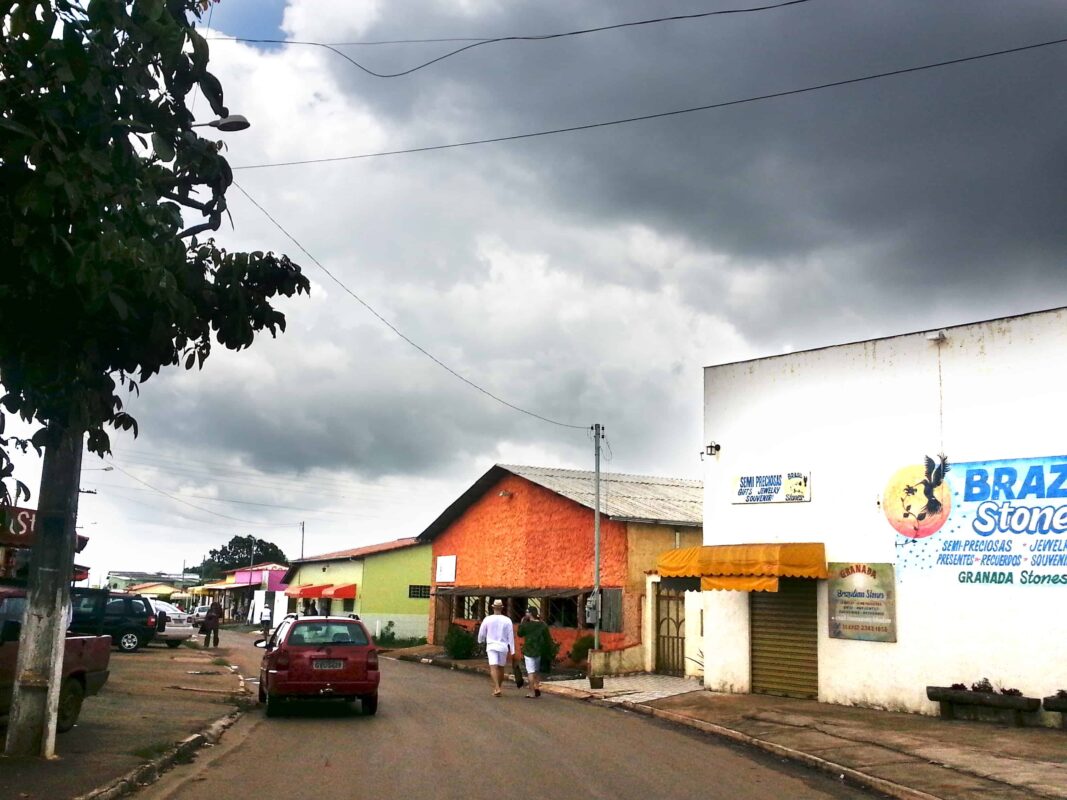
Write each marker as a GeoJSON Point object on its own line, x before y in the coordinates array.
{"type": "Point", "coordinates": [31, 727]}
{"type": "Point", "coordinates": [597, 433]}
{"type": "Point", "coordinates": [301, 539]}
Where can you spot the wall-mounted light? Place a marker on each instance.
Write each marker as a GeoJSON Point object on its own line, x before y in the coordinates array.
{"type": "Point", "coordinates": [713, 448]}
{"type": "Point", "coordinates": [504, 493]}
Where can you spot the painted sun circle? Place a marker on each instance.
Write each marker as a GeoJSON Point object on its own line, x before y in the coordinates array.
{"type": "Point", "coordinates": [907, 508]}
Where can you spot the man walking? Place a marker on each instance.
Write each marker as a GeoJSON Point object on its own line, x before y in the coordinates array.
{"type": "Point", "coordinates": [498, 635]}
{"type": "Point", "coordinates": [264, 619]}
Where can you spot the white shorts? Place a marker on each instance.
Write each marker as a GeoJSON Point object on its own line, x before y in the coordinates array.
{"type": "Point", "coordinates": [497, 658]}
{"type": "Point", "coordinates": [533, 664]}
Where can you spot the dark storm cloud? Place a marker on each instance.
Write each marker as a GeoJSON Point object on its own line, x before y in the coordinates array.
{"type": "Point", "coordinates": [930, 191]}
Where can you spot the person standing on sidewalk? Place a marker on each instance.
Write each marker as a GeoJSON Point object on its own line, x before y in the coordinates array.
{"type": "Point", "coordinates": [497, 633]}
{"type": "Point", "coordinates": [210, 626]}
{"type": "Point", "coordinates": [535, 647]}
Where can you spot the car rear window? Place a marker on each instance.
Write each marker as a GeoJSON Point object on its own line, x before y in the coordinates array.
{"type": "Point", "coordinates": [338, 634]}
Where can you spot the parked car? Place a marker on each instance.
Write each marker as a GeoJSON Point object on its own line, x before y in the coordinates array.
{"type": "Point", "coordinates": [178, 626]}
{"type": "Point", "coordinates": [199, 613]}
{"type": "Point", "coordinates": [129, 619]}
{"type": "Point", "coordinates": [85, 662]}
{"type": "Point", "coordinates": [319, 658]}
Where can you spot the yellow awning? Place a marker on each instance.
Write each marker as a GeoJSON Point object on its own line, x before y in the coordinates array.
{"type": "Point", "coordinates": [792, 560]}
{"type": "Point", "coordinates": [739, 583]}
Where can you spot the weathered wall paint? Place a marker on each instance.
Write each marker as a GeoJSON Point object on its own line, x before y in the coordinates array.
{"type": "Point", "coordinates": [644, 543]}
{"type": "Point", "coordinates": [530, 537]}
{"type": "Point", "coordinates": [522, 535]}
{"type": "Point", "coordinates": [853, 415]}
{"type": "Point", "coordinates": [384, 592]}
{"type": "Point", "coordinates": [333, 572]}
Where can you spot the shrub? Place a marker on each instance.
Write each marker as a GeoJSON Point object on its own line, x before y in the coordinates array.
{"type": "Point", "coordinates": [580, 649]}
{"type": "Point", "coordinates": [388, 635]}
{"type": "Point", "coordinates": [1012, 692]}
{"type": "Point", "coordinates": [459, 642]}
{"type": "Point", "coordinates": [982, 686]}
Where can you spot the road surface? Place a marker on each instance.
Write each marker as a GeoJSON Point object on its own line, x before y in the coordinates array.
{"type": "Point", "coordinates": [441, 735]}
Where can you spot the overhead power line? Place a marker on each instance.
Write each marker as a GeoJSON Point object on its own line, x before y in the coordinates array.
{"type": "Point", "coordinates": [332, 46]}
{"type": "Point", "coordinates": [397, 331]}
{"type": "Point", "coordinates": [200, 508]}
{"type": "Point", "coordinates": [675, 113]}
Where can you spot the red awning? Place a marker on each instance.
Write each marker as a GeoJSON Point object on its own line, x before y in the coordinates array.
{"type": "Point", "coordinates": [308, 590]}
{"type": "Point", "coordinates": [344, 591]}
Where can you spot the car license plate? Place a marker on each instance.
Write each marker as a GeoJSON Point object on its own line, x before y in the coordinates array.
{"type": "Point", "coordinates": [327, 663]}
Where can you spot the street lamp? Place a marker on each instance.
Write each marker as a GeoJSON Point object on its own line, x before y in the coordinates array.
{"type": "Point", "coordinates": [230, 124]}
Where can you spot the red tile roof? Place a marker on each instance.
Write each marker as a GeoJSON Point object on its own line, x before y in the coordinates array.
{"type": "Point", "coordinates": [360, 552]}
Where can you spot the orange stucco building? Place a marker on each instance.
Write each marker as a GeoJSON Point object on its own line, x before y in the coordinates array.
{"type": "Point", "coordinates": [525, 535]}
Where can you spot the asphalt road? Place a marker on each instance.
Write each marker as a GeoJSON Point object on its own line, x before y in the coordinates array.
{"type": "Point", "coordinates": [440, 734]}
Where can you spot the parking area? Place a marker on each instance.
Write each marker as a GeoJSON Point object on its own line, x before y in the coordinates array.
{"type": "Point", "coordinates": [153, 698]}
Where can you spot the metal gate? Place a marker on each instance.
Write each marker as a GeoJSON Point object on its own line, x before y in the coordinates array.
{"type": "Point", "coordinates": [670, 631]}
{"type": "Point", "coordinates": [784, 631]}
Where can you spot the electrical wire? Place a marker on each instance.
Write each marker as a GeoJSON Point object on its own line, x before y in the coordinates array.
{"type": "Point", "coordinates": [112, 487]}
{"type": "Point", "coordinates": [396, 330]}
{"type": "Point", "coordinates": [332, 47]}
{"type": "Point", "coordinates": [660, 115]}
{"type": "Point", "coordinates": [205, 510]}
{"type": "Point", "coordinates": [211, 470]}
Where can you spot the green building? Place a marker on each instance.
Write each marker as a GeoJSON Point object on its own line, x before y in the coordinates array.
{"type": "Point", "coordinates": [382, 583]}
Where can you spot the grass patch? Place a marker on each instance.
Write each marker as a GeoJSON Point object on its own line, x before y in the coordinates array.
{"type": "Point", "coordinates": [192, 644]}
{"type": "Point", "coordinates": [154, 750]}
{"type": "Point", "coordinates": [220, 662]}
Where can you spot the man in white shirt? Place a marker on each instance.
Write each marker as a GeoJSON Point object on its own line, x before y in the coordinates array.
{"type": "Point", "coordinates": [264, 620]}
{"type": "Point", "coordinates": [497, 633]}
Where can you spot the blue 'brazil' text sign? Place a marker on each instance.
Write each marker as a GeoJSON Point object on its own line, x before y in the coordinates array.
{"type": "Point", "coordinates": [1007, 525]}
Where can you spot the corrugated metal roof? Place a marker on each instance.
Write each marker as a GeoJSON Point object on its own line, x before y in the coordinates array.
{"type": "Point", "coordinates": [624, 497]}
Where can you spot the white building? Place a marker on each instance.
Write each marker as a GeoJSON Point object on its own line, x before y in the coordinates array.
{"type": "Point", "coordinates": [829, 447]}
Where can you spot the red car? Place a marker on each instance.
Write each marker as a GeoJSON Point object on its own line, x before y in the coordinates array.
{"type": "Point", "coordinates": [319, 658]}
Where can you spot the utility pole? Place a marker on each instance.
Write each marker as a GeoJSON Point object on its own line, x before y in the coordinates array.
{"type": "Point", "coordinates": [301, 540]}
{"type": "Point", "coordinates": [597, 433]}
{"type": "Point", "coordinates": [31, 728]}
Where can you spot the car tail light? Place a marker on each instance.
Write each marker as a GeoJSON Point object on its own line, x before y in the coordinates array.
{"type": "Point", "coordinates": [372, 659]}
{"type": "Point", "coordinates": [151, 620]}
{"type": "Point", "coordinates": [281, 660]}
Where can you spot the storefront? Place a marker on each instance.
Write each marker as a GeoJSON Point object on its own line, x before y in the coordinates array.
{"type": "Point", "coordinates": [930, 471]}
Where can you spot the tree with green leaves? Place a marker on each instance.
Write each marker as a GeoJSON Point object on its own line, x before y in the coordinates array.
{"type": "Point", "coordinates": [105, 187]}
{"type": "Point", "coordinates": [240, 551]}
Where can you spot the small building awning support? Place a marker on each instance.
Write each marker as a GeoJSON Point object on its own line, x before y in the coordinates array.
{"type": "Point", "coordinates": [307, 590]}
{"type": "Point", "coordinates": [343, 591]}
{"type": "Point", "coordinates": [744, 567]}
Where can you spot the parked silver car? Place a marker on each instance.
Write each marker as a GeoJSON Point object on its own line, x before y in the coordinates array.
{"type": "Point", "coordinates": [179, 625]}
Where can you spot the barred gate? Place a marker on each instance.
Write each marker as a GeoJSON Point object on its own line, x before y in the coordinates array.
{"type": "Point", "coordinates": [670, 631]}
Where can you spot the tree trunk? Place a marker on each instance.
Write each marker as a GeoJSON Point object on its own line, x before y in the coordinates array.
{"type": "Point", "coordinates": [31, 728]}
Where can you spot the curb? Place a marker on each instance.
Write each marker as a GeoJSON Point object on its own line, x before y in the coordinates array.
{"type": "Point", "coordinates": [857, 778]}
{"type": "Point", "coordinates": [862, 779]}
{"type": "Point", "coordinates": [150, 772]}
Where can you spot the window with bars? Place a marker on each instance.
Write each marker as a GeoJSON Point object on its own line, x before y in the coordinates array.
{"type": "Point", "coordinates": [417, 592]}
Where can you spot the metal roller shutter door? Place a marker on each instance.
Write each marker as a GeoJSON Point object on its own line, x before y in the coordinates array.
{"type": "Point", "coordinates": [784, 640]}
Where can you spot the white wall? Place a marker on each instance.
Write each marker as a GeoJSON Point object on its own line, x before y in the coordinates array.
{"type": "Point", "coordinates": [852, 416]}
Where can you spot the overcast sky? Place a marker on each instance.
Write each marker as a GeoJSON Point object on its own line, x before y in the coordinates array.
{"type": "Point", "coordinates": [587, 276]}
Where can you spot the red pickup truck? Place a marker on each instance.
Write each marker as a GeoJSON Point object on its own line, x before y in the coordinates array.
{"type": "Point", "coordinates": [85, 661]}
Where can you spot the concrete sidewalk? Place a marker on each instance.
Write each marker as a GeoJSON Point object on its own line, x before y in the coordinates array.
{"type": "Point", "coordinates": [904, 756]}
